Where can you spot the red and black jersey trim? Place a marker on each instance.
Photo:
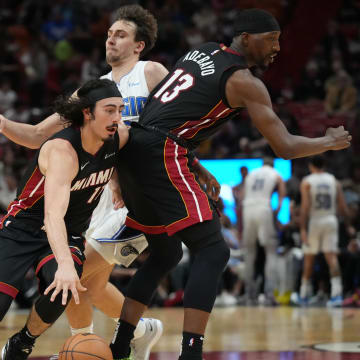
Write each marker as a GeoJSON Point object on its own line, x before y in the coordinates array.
{"type": "Point", "coordinates": [190, 128]}
{"type": "Point", "coordinates": [8, 290]}
{"type": "Point", "coordinates": [32, 192]}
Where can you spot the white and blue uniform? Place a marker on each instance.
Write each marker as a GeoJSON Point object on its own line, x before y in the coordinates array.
{"type": "Point", "coordinates": [258, 224]}
{"type": "Point", "coordinates": [323, 223]}
{"type": "Point", "coordinates": [107, 233]}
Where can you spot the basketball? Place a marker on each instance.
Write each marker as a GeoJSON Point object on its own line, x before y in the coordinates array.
{"type": "Point", "coordinates": [85, 347]}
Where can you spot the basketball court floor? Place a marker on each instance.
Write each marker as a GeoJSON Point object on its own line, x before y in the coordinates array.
{"type": "Point", "coordinates": [234, 333]}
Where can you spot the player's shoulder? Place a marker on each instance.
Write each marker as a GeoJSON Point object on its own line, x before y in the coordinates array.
{"type": "Point", "coordinates": [154, 73]}
{"type": "Point", "coordinates": [307, 179]}
{"type": "Point", "coordinates": [246, 83]}
{"type": "Point", "coordinates": [152, 67]}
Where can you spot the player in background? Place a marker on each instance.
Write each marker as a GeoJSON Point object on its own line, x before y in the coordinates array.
{"type": "Point", "coordinates": [259, 225]}
{"type": "Point", "coordinates": [321, 198]}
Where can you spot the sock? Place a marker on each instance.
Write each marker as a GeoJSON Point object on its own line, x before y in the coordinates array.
{"type": "Point", "coordinates": [120, 344]}
{"type": "Point", "coordinates": [27, 337]}
{"type": "Point", "coordinates": [86, 330]}
{"type": "Point", "coordinates": [305, 288]}
{"type": "Point", "coordinates": [336, 286]}
{"type": "Point", "coordinates": [140, 329]}
{"type": "Point", "coordinates": [191, 346]}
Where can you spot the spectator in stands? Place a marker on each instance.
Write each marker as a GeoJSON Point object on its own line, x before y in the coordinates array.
{"type": "Point", "coordinates": [311, 86]}
{"type": "Point", "coordinates": [7, 96]}
{"type": "Point", "coordinates": [231, 282]}
{"type": "Point", "coordinates": [341, 95]}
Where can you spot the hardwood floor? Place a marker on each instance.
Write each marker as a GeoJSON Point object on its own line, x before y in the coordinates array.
{"type": "Point", "coordinates": [233, 333]}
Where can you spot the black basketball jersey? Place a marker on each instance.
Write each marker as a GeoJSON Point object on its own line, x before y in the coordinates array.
{"type": "Point", "coordinates": [94, 173]}
{"type": "Point", "coordinates": [190, 101]}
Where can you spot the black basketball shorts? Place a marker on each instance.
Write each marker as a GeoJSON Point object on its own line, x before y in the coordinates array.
{"type": "Point", "coordinates": [22, 249]}
{"type": "Point", "coordinates": [160, 191]}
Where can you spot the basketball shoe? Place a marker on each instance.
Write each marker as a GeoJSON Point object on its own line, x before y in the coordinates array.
{"type": "Point", "coordinates": [16, 349]}
{"type": "Point", "coordinates": [140, 347]}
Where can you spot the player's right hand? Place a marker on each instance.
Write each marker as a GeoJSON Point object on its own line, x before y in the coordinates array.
{"type": "Point", "coordinates": [65, 279]}
{"type": "Point", "coordinates": [341, 139]}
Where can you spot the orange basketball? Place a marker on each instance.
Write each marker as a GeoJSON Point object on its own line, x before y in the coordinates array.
{"type": "Point", "coordinates": [85, 347]}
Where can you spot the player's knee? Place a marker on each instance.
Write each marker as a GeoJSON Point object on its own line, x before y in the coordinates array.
{"type": "Point", "coordinates": [47, 273]}
{"type": "Point", "coordinates": [5, 302]}
{"type": "Point", "coordinates": [216, 255]}
{"type": "Point", "coordinates": [167, 260]}
{"type": "Point", "coordinates": [49, 311]}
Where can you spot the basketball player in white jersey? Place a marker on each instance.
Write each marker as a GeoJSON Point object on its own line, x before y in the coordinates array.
{"type": "Point", "coordinates": [131, 36]}
{"type": "Point", "coordinates": [321, 197]}
{"type": "Point", "coordinates": [258, 224]}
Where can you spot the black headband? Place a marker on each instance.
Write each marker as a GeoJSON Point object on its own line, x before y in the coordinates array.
{"type": "Point", "coordinates": [255, 21]}
{"type": "Point", "coordinates": [103, 93]}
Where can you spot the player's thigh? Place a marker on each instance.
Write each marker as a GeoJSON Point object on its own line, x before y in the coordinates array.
{"type": "Point", "coordinates": [314, 238]}
{"type": "Point", "coordinates": [18, 252]}
{"type": "Point", "coordinates": [97, 282]}
{"type": "Point", "coordinates": [250, 228]}
{"type": "Point", "coordinates": [330, 236]}
{"type": "Point", "coordinates": [267, 231]}
{"type": "Point", "coordinates": [94, 264]}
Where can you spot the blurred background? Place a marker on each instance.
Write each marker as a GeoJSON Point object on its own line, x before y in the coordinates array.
{"type": "Point", "coordinates": [48, 48]}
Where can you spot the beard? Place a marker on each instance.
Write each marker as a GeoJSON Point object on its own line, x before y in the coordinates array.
{"type": "Point", "coordinates": [111, 59]}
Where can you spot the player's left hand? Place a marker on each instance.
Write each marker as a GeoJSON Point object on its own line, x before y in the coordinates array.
{"type": "Point", "coordinates": [208, 181]}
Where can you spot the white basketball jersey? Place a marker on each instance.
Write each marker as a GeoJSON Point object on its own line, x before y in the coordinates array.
{"type": "Point", "coordinates": [134, 89]}
{"type": "Point", "coordinates": [322, 194]}
{"type": "Point", "coordinates": [259, 186]}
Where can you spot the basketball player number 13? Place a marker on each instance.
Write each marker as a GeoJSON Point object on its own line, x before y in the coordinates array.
{"type": "Point", "coordinates": [183, 82]}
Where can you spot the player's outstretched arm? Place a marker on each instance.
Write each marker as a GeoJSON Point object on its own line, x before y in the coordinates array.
{"type": "Point", "coordinates": [243, 89]}
{"type": "Point", "coordinates": [31, 136]}
{"type": "Point", "coordinates": [59, 164]}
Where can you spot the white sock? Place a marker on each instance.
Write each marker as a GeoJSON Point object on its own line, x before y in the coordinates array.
{"type": "Point", "coordinates": [305, 288]}
{"type": "Point", "coordinates": [86, 330]}
{"type": "Point", "coordinates": [140, 329]}
{"type": "Point", "coordinates": [336, 286]}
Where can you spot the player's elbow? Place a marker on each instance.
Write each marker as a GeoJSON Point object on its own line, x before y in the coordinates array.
{"type": "Point", "coordinates": [38, 137]}
{"type": "Point", "coordinates": [284, 152]}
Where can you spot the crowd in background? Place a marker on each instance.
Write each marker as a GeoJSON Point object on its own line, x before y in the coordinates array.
{"type": "Point", "coordinates": [50, 48]}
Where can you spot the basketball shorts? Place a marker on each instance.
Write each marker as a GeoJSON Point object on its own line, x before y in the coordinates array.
{"type": "Point", "coordinates": [160, 189]}
{"type": "Point", "coordinates": [110, 237]}
{"type": "Point", "coordinates": [258, 224]}
{"type": "Point", "coordinates": [23, 247]}
{"type": "Point", "coordinates": [322, 235]}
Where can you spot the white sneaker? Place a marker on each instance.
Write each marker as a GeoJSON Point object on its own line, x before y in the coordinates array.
{"type": "Point", "coordinates": [140, 348]}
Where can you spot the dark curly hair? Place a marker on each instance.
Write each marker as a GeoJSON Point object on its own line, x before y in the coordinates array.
{"type": "Point", "coordinates": [146, 24]}
{"type": "Point", "coordinates": [70, 107]}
